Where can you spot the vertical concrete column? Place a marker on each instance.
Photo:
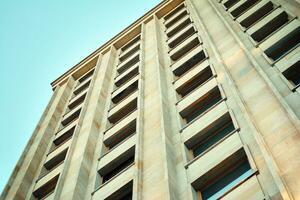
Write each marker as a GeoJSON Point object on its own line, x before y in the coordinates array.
{"type": "Point", "coordinates": [76, 173]}
{"type": "Point", "coordinates": [158, 168]}
{"type": "Point", "coordinates": [276, 134]}
{"type": "Point", "coordinates": [21, 181]}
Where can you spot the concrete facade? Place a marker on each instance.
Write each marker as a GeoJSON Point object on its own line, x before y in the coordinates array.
{"type": "Point", "coordinates": [194, 100]}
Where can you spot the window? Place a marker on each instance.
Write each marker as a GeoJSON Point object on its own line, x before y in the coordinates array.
{"type": "Point", "coordinates": [212, 136]}
{"type": "Point", "coordinates": [258, 14]}
{"type": "Point", "coordinates": [82, 87]}
{"type": "Point", "coordinates": [124, 193]}
{"type": "Point", "coordinates": [194, 82]}
{"type": "Point", "coordinates": [121, 135]}
{"type": "Point", "coordinates": [86, 76]}
{"type": "Point", "coordinates": [126, 65]}
{"type": "Point", "coordinates": [76, 101]}
{"type": "Point", "coordinates": [132, 73]}
{"type": "Point", "coordinates": [230, 3]}
{"type": "Point", "coordinates": [178, 17]}
{"type": "Point", "coordinates": [225, 176]}
{"type": "Point", "coordinates": [47, 189]}
{"type": "Point", "coordinates": [53, 162]}
{"type": "Point", "coordinates": [184, 47]}
{"type": "Point", "coordinates": [117, 169]}
{"type": "Point", "coordinates": [285, 44]}
{"type": "Point", "coordinates": [130, 43]}
{"type": "Point", "coordinates": [275, 23]}
{"type": "Point", "coordinates": [123, 112]}
{"type": "Point", "coordinates": [243, 7]}
{"type": "Point", "coordinates": [129, 53]}
{"type": "Point", "coordinates": [182, 24]}
{"type": "Point", "coordinates": [117, 165]}
{"type": "Point", "coordinates": [201, 105]}
{"type": "Point", "coordinates": [174, 11]}
{"type": "Point", "coordinates": [293, 73]}
{"type": "Point", "coordinates": [70, 117]}
{"type": "Point", "coordinates": [192, 58]}
{"type": "Point", "coordinates": [63, 137]}
{"type": "Point", "coordinates": [126, 92]}
{"type": "Point", "coordinates": [182, 35]}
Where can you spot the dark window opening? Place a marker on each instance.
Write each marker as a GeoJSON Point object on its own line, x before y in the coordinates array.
{"type": "Point", "coordinates": [194, 82]}
{"type": "Point", "coordinates": [173, 12]}
{"type": "Point", "coordinates": [212, 137]}
{"type": "Point", "coordinates": [257, 15]}
{"type": "Point", "coordinates": [287, 43]}
{"type": "Point", "coordinates": [179, 27]}
{"type": "Point", "coordinates": [270, 27]}
{"type": "Point", "coordinates": [293, 73]}
{"type": "Point", "coordinates": [242, 8]}
{"type": "Point", "coordinates": [189, 64]}
{"type": "Point", "coordinates": [230, 3]}
{"type": "Point", "coordinates": [201, 105]}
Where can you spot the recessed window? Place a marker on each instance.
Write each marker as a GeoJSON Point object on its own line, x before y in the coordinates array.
{"type": "Point", "coordinates": [194, 82]}
{"type": "Point", "coordinates": [184, 47]}
{"type": "Point", "coordinates": [128, 63]}
{"type": "Point", "coordinates": [47, 189]}
{"type": "Point", "coordinates": [124, 193]}
{"type": "Point", "coordinates": [63, 137]}
{"type": "Point", "coordinates": [189, 63]}
{"type": "Point", "coordinates": [270, 27]}
{"type": "Point", "coordinates": [123, 112]}
{"type": "Point", "coordinates": [179, 27]}
{"type": "Point", "coordinates": [121, 135]}
{"type": "Point", "coordinates": [86, 76]}
{"type": "Point", "coordinates": [173, 12]}
{"type": "Point", "coordinates": [190, 30]}
{"type": "Point", "coordinates": [243, 7]}
{"type": "Point", "coordinates": [129, 53]}
{"type": "Point", "coordinates": [173, 21]}
{"type": "Point", "coordinates": [117, 169]}
{"type": "Point", "coordinates": [76, 101]}
{"type": "Point", "coordinates": [81, 88]}
{"type": "Point", "coordinates": [126, 92]}
{"type": "Point", "coordinates": [131, 43]}
{"type": "Point", "coordinates": [212, 136]}
{"type": "Point", "coordinates": [201, 105]}
{"type": "Point", "coordinates": [293, 73]}
{"type": "Point", "coordinates": [54, 162]}
{"type": "Point", "coordinates": [285, 44]}
{"type": "Point", "coordinates": [70, 117]}
{"type": "Point", "coordinates": [118, 165]}
{"type": "Point", "coordinates": [225, 176]}
{"type": "Point", "coordinates": [257, 15]}
{"type": "Point", "coordinates": [230, 3]}
{"type": "Point", "coordinates": [120, 81]}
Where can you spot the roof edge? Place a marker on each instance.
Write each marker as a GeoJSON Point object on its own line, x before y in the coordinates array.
{"type": "Point", "coordinates": [94, 53]}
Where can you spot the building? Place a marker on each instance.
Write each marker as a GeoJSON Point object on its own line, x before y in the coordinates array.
{"type": "Point", "coordinates": [194, 100]}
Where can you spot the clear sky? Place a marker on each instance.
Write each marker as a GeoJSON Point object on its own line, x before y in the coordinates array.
{"type": "Point", "coordinates": [40, 40]}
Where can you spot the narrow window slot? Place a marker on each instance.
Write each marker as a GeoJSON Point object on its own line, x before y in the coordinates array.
{"type": "Point", "coordinates": [225, 176]}
{"type": "Point", "coordinates": [228, 4]}
{"type": "Point", "coordinates": [257, 15]}
{"type": "Point", "coordinates": [193, 83]}
{"type": "Point", "coordinates": [126, 92]}
{"type": "Point", "coordinates": [270, 27]}
{"type": "Point", "coordinates": [46, 189]}
{"type": "Point", "coordinates": [285, 44]}
{"type": "Point", "coordinates": [173, 12]}
{"type": "Point", "coordinates": [201, 105]}
{"type": "Point", "coordinates": [130, 43]}
{"type": "Point", "coordinates": [242, 8]}
{"type": "Point", "coordinates": [293, 73]}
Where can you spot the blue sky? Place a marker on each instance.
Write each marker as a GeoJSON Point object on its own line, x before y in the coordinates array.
{"type": "Point", "coordinates": [39, 40]}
